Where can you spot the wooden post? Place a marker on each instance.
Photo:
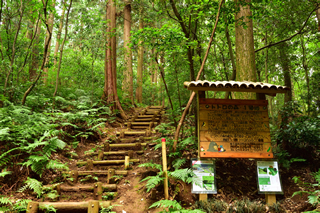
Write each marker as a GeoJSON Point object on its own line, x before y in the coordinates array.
{"type": "Point", "coordinates": [74, 176]}
{"type": "Point", "coordinates": [138, 146]}
{"type": "Point", "coordinates": [32, 207]}
{"type": "Point", "coordinates": [126, 162]}
{"type": "Point", "coordinates": [271, 199]}
{"type": "Point", "coordinates": [89, 165]}
{"type": "Point", "coordinates": [106, 147]}
{"type": "Point", "coordinates": [203, 197]}
{"type": "Point", "coordinates": [97, 191]}
{"type": "Point", "coordinates": [100, 155]}
{"type": "Point", "coordinates": [165, 173]}
{"type": "Point", "coordinates": [110, 175]}
{"type": "Point", "coordinates": [129, 124]}
{"type": "Point", "coordinates": [122, 134]}
{"type": "Point", "coordinates": [93, 206]}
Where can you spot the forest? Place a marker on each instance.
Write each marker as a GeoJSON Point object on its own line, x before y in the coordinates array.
{"type": "Point", "coordinates": [75, 74]}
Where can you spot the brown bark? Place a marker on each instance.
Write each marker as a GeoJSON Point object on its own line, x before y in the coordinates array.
{"type": "Point", "coordinates": [23, 101]}
{"type": "Point", "coordinates": [56, 49]}
{"type": "Point", "coordinates": [34, 65]}
{"type": "Point", "coordinates": [176, 134]}
{"type": "Point", "coordinates": [140, 65]}
{"type": "Point", "coordinates": [284, 61]}
{"type": "Point", "coordinates": [111, 95]}
{"type": "Point", "coordinates": [245, 56]}
{"type": "Point", "coordinates": [306, 70]}
{"type": "Point", "coordinates": [234, 72]}
{"type": "Point", "coordinates": [48, 34]}
{"type": "Point", "coordinates": [127, 85]}
{"type": "Point", "coordinates": [61, 49]}
{"type": "Point", "coordinates": [14, 47]}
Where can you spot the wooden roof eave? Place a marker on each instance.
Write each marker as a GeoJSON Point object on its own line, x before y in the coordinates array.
{"type": "Point", "coordinates": [230, 89]}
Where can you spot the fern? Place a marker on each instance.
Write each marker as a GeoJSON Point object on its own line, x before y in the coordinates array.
{"type": "Point", "coordinates": [5, 201]}
{"type": "Point", "coordinates": [186, 175]}
{"type": "Point", "coordinates": [34, 185]}
{"type": "Point", "coordinates": [152, 181]}
{"type": "Point", "coordinates": [54, 164]}
{"type": "Point", "coordinates": [173, 206]}
{"type": "Point", "coordinates": [4, 173]}
{"type": "Point", "coordinates": [166, 204]}
{"type": "Point", "coordinates": [152, 165]}
{"type": "Point", "coordinates": [179, 162]}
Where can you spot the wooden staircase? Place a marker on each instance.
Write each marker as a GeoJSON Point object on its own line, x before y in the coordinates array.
{"type": "Point", "coordinates": [115, 158]}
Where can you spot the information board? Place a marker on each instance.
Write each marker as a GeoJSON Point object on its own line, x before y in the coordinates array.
{"type": "Point", "coordinates": [204, 180]}
{"type": "Point", "coordinates": [234, 129]}
{"type": "Point", "coordinates": [268, 177]}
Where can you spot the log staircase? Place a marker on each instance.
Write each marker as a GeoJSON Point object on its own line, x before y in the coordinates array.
{"type": "Point", "coordinates": [114, 159]}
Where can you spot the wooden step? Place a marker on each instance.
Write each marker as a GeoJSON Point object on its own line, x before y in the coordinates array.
{"type": "Point", "coordinates": [145, 119]}
{"type": "Point", "coordinates": [156, 107]}
{"type": "Point", "coordinates": [115, 153]}
{"type": "Point", "coordinates": [87, 188]}
{"type": "Point", "coordinates": [92, 206]}
{"type": "Point", "coordinates": [154, 112]}
{"type": "Point", "coordinates": [141, 123]}
{"type": "Point", "coordinates": [108, 162]}
{"type": "Point", "coordinates": [135, 133]}
{"type": "Point", "coordinates": [97, 172]}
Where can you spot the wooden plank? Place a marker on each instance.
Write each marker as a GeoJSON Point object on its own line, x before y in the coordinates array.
{"type": "Point", "coordinates": [237, 147]}
{"type": "Point", "coordinates": [233, 116]}
{"type": "Point", "coordinates": [232, 107]}
{"type": "Point", "coordinates": [108, 162]}
{"type": "Point", "coordinates": [224, 136]}
{"type": "Point", "coordinates": [72, 205]}
{"type": "Point", "coordinates": [271, 199]}
{"type": "Point", "coordinates": [234, 126]}
{"type": "Point", "coordinates": [103, 172]}
{"type": "Point", "coordinates": [93, 206]}
{"type": "Point", "coordinates": [145, 119]}
{"type": "Point", "coordinates": [126, 145]}
{"type": "Point", "coordinates": [232, 101]}
{"type": "Point", "coordinates": [140, 123]}
{"type": "Point", "coordinates": [235, 155]}
{"type": "Point", "coordinates": [203, 197]}
{"type": "Point", "coordinates": [32, 207]}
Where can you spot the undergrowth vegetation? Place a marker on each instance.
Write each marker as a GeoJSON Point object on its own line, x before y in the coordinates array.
{"type": "Point", "coordinates": [31, 134]}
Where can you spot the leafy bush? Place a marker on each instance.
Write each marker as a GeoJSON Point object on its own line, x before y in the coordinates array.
{"type": "Point", "coordinates": [312, 190]}
{"type": "Point", "coordinates": [298, 135]}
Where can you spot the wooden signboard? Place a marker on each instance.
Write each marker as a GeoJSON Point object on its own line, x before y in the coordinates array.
{"type": "Point", "coordinates": [234, 129]}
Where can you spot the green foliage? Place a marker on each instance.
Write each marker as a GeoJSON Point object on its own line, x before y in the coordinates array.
{"type": "Point", "coordinates": [151, 165]}
{"type": "Point", "coordinates": [153, 181]}
{"type": "Point", "coordinates": [300, 133]}
{"type": "Point", "coordinates": [34, 185]}
{"type": "Point", "coordinates": [186, 175]}
{"type": "Point", "coordinates": [173, 206]}
{"type": "Point", "coordinates": [109, 195]}
{"type": "Point", "coordinates": [312, 189]}
{"type": "Point", "coordinates": [7, 205]}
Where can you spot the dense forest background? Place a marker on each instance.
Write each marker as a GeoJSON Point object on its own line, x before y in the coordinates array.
{"type": "Point", "coordinates": [80, 63]}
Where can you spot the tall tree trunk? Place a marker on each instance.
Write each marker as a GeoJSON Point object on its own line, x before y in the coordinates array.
{"type": "Point", "coordinates": [27, 92]}
{"type": "Point", "coordinates": [234, 72]}
{"type": "Point", "coordinates": [306, 70]}
{"type": "Point", "coordinates": [61, 50]}
{"type": "Point", "coordinates": [107, 56]}
{"type": "Point", "coordinates": [245, 56]}
{"type": "Point", "coordinates": [56, 49]}
{"type": "Point", "coordinates": [285, 64]}
{"type": "Point", "coordinates": [127, 85]}
{"type": "Point", "coordinates": [34, 64]}
{"type": "Point", "coordinates": [111, 93]}
{"type": "Point", "coordinates": [48, 34]}
{"type": "Point", "coordinates": [13, 50]}
{"type": "Point", "coordinates": [113, 42]}
{"type": "Point", "coordinates": [140, 65]}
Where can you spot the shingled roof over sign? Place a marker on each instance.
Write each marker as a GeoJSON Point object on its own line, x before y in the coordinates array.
{"type": "Point", "coordinates": [235, 86]}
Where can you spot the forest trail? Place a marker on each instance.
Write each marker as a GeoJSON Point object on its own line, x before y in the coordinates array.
{"type": "Point", "coordinates": [109, 177]}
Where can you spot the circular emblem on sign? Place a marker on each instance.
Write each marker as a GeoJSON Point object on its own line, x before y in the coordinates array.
{"type": "Point", "coordinates": [264, 107]}
{"type": "Point", "coordinates": [207, 106]}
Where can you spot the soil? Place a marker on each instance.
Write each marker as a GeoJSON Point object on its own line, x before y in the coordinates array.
{"type": "Point", "coordinates": [236, 180]}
